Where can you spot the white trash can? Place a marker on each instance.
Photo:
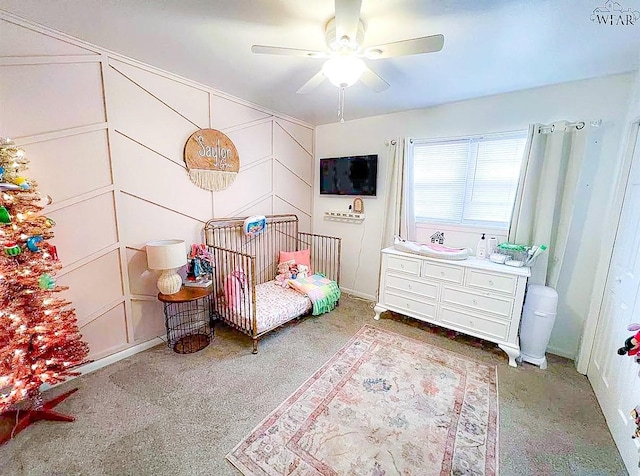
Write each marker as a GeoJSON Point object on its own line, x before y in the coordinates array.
{"type": "Point", "coordinates": [538, 317]}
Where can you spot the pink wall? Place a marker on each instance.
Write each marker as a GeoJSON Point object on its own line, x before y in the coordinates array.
{"type": "Point", "coordinates": [105, 137]}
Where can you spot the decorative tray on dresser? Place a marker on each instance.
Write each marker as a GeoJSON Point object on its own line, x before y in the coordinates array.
{"type": "Point", "coordinates": [472, 296]}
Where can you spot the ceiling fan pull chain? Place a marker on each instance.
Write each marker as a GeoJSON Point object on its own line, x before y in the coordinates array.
{"type": "Point", "coordinates": [341, 104]}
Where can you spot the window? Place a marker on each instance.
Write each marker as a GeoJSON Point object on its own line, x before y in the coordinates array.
{"type": "Point", "coordinates": [468, 181]}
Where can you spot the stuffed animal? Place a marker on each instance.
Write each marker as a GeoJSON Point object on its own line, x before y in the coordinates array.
{"type": "Point", "coordinates": [284, 273]}
{"type": "Point", "coordinates": [294, 270]}
{"type": "Point", "coordinates": [632, 344]}
{"type": "Point", "coordinates": [303, 271]}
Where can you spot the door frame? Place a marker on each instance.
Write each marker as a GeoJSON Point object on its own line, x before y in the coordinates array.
{"type": "Point", "coordinates": [606, 250]}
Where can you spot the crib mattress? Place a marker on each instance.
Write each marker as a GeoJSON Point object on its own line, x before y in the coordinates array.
{"type": "Point", "coordinates": [275, 305]}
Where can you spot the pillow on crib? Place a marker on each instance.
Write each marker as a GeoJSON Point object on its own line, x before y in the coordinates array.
{"type": "Point", "coordinates": [300, 257]}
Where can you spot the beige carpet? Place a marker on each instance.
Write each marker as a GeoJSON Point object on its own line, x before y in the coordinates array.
{"type": "Point", "coordinates": [384, 404]}
{"type": "Point", "coordinates": [163, 413]}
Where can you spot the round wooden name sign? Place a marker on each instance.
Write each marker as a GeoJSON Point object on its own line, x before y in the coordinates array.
{"type": "Point", "coordinates": [212, 159]}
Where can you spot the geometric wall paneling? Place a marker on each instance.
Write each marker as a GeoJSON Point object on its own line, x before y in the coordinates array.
{"type": "Point", "coordinates": [141, 172]}
{"type": "Point", "coordinates": [190, 102]}
{"type": "Point", "coordinates": [94, 285]}
{"type": "Point", "coordinates": [53, 103]}
{"type": "Point", "coordinates": [84, 228]}
{"type": "Point", "coordinates": [141, 221]}
{"type": "Point", "coordinates": [20, 41]}
{"type": "Point", "coordinates": [250, 185]}
{"type": "Point", "coordinates": [291, 154]}
{"type": "Point", "coordinates": [280, 207]}
{"type": "Point", "coordinates": [290, 188]}
{"type": "Point", "coordinates": [261, 207]}
{"type": "Point", "coordinates": [50, 97]}
{"type": "Point", "coordinates": [106, 334]}
{"type": "Point", "coordinates": [144, 118]}
{"type": "Point", "coordinates": [147, 319]}
{"type": "Point", "coordinates": [226, 113]}
{"type": "Point", "coordinates": [70, 166]}
{"type": "Point", "coordinates": [303, 135]}
{"type": "Point", "coordinates": [142, 281]}
{"type": "Point", "coordinates": [253, 142]}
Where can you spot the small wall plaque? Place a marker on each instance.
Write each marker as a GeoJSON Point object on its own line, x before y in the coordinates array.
{"type": "Point", "coordinates": [358, 205]}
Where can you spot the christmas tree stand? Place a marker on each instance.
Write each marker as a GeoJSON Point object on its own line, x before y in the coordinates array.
{"type": "Point", "coordinates": [38, 411]}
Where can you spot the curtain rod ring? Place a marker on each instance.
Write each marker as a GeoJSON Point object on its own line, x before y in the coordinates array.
{"type": "Point", "coordinates": [580, 125]}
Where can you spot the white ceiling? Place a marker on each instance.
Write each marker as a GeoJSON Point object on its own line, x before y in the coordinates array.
{"type": "Point", "coordinates": [491, 46]}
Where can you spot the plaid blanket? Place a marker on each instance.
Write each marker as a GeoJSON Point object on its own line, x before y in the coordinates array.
{"type": "Point", "coordinates": [323, 292]}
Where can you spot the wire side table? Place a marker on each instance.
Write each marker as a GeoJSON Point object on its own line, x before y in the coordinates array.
{"type": "Point", "coordinates": [188, 319]}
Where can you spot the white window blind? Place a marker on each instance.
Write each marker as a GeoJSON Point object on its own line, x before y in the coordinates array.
{"type": "Point", "coordinates": [470, 181]}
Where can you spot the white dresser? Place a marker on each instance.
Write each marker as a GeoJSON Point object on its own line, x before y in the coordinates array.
{"type": "Point", "coordinates": [473, 296]}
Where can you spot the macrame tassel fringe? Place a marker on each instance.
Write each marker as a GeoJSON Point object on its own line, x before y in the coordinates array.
{"type": "Point", "coordinates": [212, 179]}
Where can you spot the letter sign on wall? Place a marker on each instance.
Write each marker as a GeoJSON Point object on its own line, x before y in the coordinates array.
{"type": "Point", "coordinates": [212, 159]}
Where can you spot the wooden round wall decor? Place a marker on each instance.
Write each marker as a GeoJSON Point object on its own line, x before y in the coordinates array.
{"type": "Point", "coordinates": [212, 159]}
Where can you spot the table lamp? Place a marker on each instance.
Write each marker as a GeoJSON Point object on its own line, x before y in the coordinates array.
{"type": "Point", "coordinates": [168, 256]}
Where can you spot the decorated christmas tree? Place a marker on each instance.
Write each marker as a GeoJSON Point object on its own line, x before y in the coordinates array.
{"type": "Point", "coordinates": [39, 337]}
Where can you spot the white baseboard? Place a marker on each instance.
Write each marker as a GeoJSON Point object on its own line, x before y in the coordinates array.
{"type": "Point", "coordinates": [110, 359]}
{"type": "Point", "coordinates": [561, 353]}
{"type": "Point", "coordinates": [358, 294]}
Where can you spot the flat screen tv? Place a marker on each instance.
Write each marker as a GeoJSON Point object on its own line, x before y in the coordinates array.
{"type": "Point", "coordinates": [354, 175]}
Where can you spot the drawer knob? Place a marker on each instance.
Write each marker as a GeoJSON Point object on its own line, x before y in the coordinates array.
{"type": "Point", "coordinates": [474, 301]}
{"type": "Point", "coordinates": [408, 305]}
{"type": "Point", "coordinates": [409, 286]}
{"type": "Point", "coordinates": [490, 283]}
{"type": "Point", "coordinates": [471, 323]}
{"type": "Point", "coordinates": [441, 273]}
{"type": "Point", "coordinates": [402, 266]}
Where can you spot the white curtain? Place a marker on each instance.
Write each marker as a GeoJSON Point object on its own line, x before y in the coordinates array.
{"type": "Point", "coordinates": [545, 199]}
{"type": "Point", "coordinates": [399, 216]}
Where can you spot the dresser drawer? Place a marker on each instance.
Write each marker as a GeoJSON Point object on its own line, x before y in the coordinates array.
{"type": "Point", "coordinates": [443, 272]}
{"type": "Point", "coordinates": [420, 288]}
{"type": "Point", "coordinates": [501, 306]}
{"type": "Point", "coordinates": [493, 330]}
{"type": "Point", "coordinates": [410, 306]}
{"type": "Point", "coordinates": [404, 265]}
{"type": "Point", "coordinates": [491, 282]}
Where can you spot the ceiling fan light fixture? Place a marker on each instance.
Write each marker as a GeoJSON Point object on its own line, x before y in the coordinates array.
{"type": "Point", "coordinates": [343, 71]}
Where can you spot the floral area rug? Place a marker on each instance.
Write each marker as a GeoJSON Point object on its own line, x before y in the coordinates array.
{"type": "Point", "coordinates": [383, 405]}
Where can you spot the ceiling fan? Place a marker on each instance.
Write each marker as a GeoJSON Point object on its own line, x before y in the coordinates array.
{"type": "Point", "coordinates": [344, 65]}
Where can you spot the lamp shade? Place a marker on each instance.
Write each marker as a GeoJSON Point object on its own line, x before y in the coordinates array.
{"type": "Point", "coordinates": [166, 254]}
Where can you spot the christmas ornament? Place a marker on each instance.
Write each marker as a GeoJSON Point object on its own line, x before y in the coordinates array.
{"type": "Point", "coordinates": [22, 183]}
{"type": "Point", "coordinates": [46, 282]}
{"type": "Point", "coordinates": [12, 249]}
{"type": "Point", "coordinates": [9, 186]}
{"type": "Point", "coordinates": [4, 215]}
{"type": "Point", "coordinates": [49, 222]}
{"type": "Point", "coordinates": [53, 251]}
{"type": "Point", "coordinates": [32, 243]}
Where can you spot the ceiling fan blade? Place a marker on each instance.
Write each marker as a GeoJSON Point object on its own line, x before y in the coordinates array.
{"type": "Point", "coordinates": [313, 83]}
{"type": "Point", "coordinates": [414, 46]}
{"type": "Point", "coordinates": [373, 81]}
{"type": "Point", "coordinates": [347, 19]}
{"type": "Point", "coordinates": [278, 50]}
